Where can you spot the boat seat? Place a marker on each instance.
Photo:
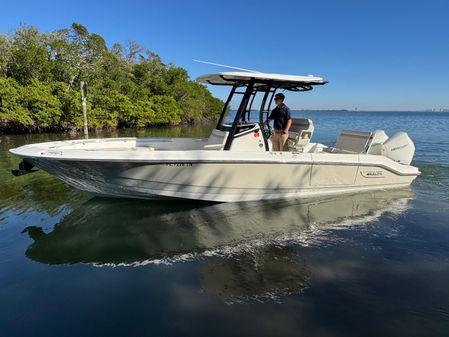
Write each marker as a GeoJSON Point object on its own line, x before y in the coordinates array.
{"type": "Point", "coordinates": [216, 140]}
{"type": "Point", "coordinates": [351, 141]}
{"type": "Point", "coordinates": [300, 133]}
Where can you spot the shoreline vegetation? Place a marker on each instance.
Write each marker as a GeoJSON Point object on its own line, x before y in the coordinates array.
{"type": "Point", "coordinates": [128, 86]}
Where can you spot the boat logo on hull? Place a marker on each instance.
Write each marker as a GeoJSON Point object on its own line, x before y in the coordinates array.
{"type": "Point", "coordinates": [372, 174]}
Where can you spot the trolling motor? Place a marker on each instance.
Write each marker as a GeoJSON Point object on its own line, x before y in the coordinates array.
{"type": "Point", "coordinates": [25, 167]}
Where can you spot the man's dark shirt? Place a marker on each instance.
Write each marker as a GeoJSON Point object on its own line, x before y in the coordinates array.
{"type": "Point", "coordinates": [280, 116]}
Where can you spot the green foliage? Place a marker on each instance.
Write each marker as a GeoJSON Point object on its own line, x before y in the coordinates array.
{"type": "Point", "coordinates": [40, 76]}
{"type": "Point", "coordinates": [71, 115]}
{"type": "Point", "coordinates": [5, 54]}
{"type": "Point", "coordinates": [11, 102]}
{"type": "Point", "coordinates": [43, 107]}
{"type": "Point", "coordinates": [28, 57]}
{"type": "Point", "coordinates": [166, 110]}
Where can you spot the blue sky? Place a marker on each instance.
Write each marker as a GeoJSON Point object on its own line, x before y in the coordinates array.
{"type": "Point", "coordinates": [376, 54]}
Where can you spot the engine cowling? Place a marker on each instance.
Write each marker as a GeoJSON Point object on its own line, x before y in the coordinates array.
{"type": "Point", "coordinates": [399, 148]}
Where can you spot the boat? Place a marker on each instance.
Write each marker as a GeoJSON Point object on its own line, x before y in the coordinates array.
{"type": "Point", "coordinates": [236, 162]}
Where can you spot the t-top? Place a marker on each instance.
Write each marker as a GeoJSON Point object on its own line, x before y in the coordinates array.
{"type": "Point", "coordinates": [280, 116]}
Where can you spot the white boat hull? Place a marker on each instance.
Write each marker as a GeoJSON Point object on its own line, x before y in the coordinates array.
{"type": "Point", "coordinates": [220, 176]}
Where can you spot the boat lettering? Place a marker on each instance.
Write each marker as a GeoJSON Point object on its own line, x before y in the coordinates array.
{"type": "Point", "coordinates": [179, 164]}
{"type": "Point", "coordinates": [372, 174]}
{"type": "Point", "coordinates": [52, 153]}
{"type": "Point", "coordinates": [399, 147]}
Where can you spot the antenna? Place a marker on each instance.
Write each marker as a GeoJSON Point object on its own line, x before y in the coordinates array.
{"type": "Point", "coordinates": [226, 66]}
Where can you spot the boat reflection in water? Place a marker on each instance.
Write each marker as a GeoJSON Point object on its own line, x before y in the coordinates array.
{"type": "Point", "coordinates": [269, 272]}
{"type": "Point", "coordinates": [244, 245]}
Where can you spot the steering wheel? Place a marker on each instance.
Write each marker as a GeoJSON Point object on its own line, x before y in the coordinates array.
{"type": "Point", "coordinates": [266, 130]}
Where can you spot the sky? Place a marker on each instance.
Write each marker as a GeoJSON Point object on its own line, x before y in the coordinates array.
{"type": "Point", "coordinates": [376, 54]}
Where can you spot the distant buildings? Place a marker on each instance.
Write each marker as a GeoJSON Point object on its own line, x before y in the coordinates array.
{"type": "Point", "coordinates": [437, 110]}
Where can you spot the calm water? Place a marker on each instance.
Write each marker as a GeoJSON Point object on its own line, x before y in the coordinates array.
{"type": "Point", "coordinates": [374, 264]}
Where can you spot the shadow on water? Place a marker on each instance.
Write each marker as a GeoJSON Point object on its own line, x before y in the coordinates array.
{"type": "Point", "coordinates": [243, 245]}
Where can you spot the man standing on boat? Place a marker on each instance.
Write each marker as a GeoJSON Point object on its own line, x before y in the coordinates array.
{"type": "Point", "coordinates": [282, 117]}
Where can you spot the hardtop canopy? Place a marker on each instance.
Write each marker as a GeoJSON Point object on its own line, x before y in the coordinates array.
{"type": "Point", "coordinates": [252, 83]}
{"type": "Point", "coordinates": [281, 81]}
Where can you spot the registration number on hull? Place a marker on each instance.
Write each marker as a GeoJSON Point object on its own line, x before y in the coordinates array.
{"type": "Point", "coordinates": [179, 164]}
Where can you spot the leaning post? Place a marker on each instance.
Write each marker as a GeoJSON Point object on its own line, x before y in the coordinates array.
{"type": "Point", "coordinates": [83, 89]}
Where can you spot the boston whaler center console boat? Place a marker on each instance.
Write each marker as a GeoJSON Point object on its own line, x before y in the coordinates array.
{"type": "Point", "coordinates": [236, 162]}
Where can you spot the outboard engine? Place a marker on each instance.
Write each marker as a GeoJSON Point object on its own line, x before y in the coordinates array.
{"type": "Point", "coordinates": [399, 148]}
{"type": "Point", "coordinates": [25, 167]}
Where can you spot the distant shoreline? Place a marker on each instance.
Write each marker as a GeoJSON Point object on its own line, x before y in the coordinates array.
{"type": "Point", "coordinates": [346, 110]}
